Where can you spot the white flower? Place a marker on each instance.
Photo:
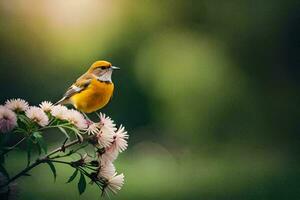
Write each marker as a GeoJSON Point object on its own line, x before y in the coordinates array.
{"type": "Point", "coordinates": [46, 106]}
{"type": "Point", "coordinates": [110, 155]}
{"type": "Point", "coordinates": [59, 112]}
{"type": "Point", "coordinates": [105, 137]}
{"type": "Point", "coordinates": [17, 104]}
{"type": "Point", "coordinates": [93, 128]}
{"type": "Point", "coordinates": [76, 118]}
{"type": "Point", "coordinates": [107, 121]}
{"type": "Point", "coordinates": [37, 115]}
{"type": "Point", "coordinates": [8, 119]}
{"type": "Point", "coordinates": [107, 170]}
{"type": "Point", "coordinates": [120, 140]}
{"type": "Point", "coordinates": [114, 183]}
{"type": "Point", "coordinates": [118, 145]}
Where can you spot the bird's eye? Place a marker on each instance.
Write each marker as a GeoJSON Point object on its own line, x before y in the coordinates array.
{"type": "Point", "coordinates": [102, 67]}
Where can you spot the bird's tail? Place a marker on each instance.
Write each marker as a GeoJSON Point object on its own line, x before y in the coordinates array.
{"type": "Point", "coordinates": [61, 101]}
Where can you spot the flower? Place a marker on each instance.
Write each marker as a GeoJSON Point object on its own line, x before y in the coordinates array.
{"type": "Point", "coordinates": [8, 119]}
{"type": "Point", "coordinates": [107, 121]}
{"type": "Point", "coordinates": [116, 146]}
{"type": "Point", "coordinates": [107, 170]}
{"type": "Point", "coordinates": [76, 118]}
{"type": "Point", "coordinates": [120, 140]}
{"type": "Point", "coordinates": [105, 137]}
{"type": "Point", "coordinates": [37, 115]}
{"type": "Point", "coordinates": [59, 112]}
{"type": "Point", "coordinates": [110, 155]}
{"type": "Point", "coordinates": [17, 105]}
{"type": "Point", "coordinates": [114, 183]}
{"type": "Point", "coordinates": [46, 106]}
{"type": "Point", "coordinates": [93, 128]}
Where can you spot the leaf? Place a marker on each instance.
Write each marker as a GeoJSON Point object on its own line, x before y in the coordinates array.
{"type": "Point", "coordinates": [40, 141]}
{"type": "Point", "coordinates": [53, 169]}
{"type": "Point", "coordinates": [37, 135]}
{"type": "Point", "coordinates": [39, 149]}
{"type": "Point", "coordinates": [73, 176]}
{"type": "Point", "coordinates": [43, 145]}
{"type": "Point", "coordinates": [72, 129]}
{"type": "Point", "coordinates": [24, 120]}
{"type": "Point", "coordinates": [64, 131]}
{"type": "Point", "coordinates": [81, 184]}
{"type": "Point", "coordinates": [29, 148]}
{"type": "Point", "coordinates": [20, 130]}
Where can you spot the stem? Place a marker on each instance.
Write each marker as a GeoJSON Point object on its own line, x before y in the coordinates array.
{"type": "Point", "coordinates": [59, 161]}
{"type": "Point", "coordinates": [54, 126]}
{"type": "Point", "coordinates": [62, 148]}
{"type": "Point", "coordinates": [41, 160]}
{"type": "Point", "coordinates": [12, 147]}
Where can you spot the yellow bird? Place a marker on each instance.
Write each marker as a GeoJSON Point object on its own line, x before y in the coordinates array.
{"type": "Point", "coordinates": [93, 90]}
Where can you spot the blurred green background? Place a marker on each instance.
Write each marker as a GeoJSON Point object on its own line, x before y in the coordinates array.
{"type": "Point", "coordinates": [209, 91]}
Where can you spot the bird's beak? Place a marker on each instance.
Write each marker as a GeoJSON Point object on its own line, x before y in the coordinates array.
{"type": "Point", "coordinates": [115, 68]}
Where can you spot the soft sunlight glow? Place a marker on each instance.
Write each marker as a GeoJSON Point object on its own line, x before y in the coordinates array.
{"type": "Point", "coordinates": [76, 12]}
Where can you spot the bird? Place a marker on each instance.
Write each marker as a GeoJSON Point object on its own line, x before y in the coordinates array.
{"type": "Point", "coordinates": [93, 90]}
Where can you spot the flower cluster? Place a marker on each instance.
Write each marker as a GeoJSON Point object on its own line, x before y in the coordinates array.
{"type": "Point", "coordinates": [8, 119]}
{"type": "Point", "coordinates": [40, 115]}
{"type": "Point", "coordinates": [108, 140]}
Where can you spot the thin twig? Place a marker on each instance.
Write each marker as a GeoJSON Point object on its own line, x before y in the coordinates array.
{"type": "Point", "coordinates": [39, 161]}
{"type": "Point", "coordinates": [60, 161]}
{"type": "Point", "coordinates": [54, 126]}
{"type": "Point", "coordinates": [12, 147]}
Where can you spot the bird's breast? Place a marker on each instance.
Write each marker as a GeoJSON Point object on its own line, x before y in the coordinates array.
{"type": "Point", "coordinates": [94, 97]}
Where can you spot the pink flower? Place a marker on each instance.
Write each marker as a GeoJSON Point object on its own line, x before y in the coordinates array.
{"type": "Point", "coordinates": [118, 145]}
{"type": "Point", "coordinates": [114, 183]}
{"type": "Point", "coordinates": [8, 120]}
{"type": "Point", "coordinates": [107, 170]}
{"type": "Point", "coordinates": [107, 121]}
{"type": "Point", "coordinates": [59, 112]}
{"type": "Point", "coordinates": [93, 128]}
{"type": "Point", "coordinates": [76, 118]}
{"type": "Point", "coordinates": [120, 140]}
{"type": "Point", "coordinates": [37, 115]}
{"type": "Point", "coordinates": [105, 136]}
{"type": "Point", "coordinates": [110, 155]}
{"type": "Point", "coordinates": [17, 105]}
{"type": "Point", "coordinates": [46, 106]}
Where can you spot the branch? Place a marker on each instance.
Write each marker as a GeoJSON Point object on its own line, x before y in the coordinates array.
{"type": "Point", "coordinates": [40, 160]}
{"type": "Point", "coordinates": [12, 147]}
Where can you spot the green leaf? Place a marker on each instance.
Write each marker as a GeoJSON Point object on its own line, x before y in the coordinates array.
{"type": "Point", "coordinates": [73, 176]}
{"type": "Point", "coordinates": [52, 167]}
{"type": "Point", "coordinates": [37, 135]}
{"type": "Point", "coordinates": [20, 130]}
{"type": "Point", "coordinates": [42, 144]}
{"type": "Point", "coordinates": [29, 148]}
{"type": "Point", "coordinates": [40, 141]}
{"type": "Point", "coordinates": [24, 120]}
{"type": "Point", "coordinates": [72, 129]}
{"type": "Point", "coordinates": [81, 184]}
{"type": "Point", "coordinates": [38, 138]}
{"type": "Point", "coordinates": [64, 131]}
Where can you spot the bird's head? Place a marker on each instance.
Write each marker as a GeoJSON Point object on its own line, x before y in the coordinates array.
{"type": "Point", "coordinates": [102, 70]}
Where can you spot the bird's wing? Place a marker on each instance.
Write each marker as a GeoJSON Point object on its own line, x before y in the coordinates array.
{"type": "Point", "coordinates": [80, 84]}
